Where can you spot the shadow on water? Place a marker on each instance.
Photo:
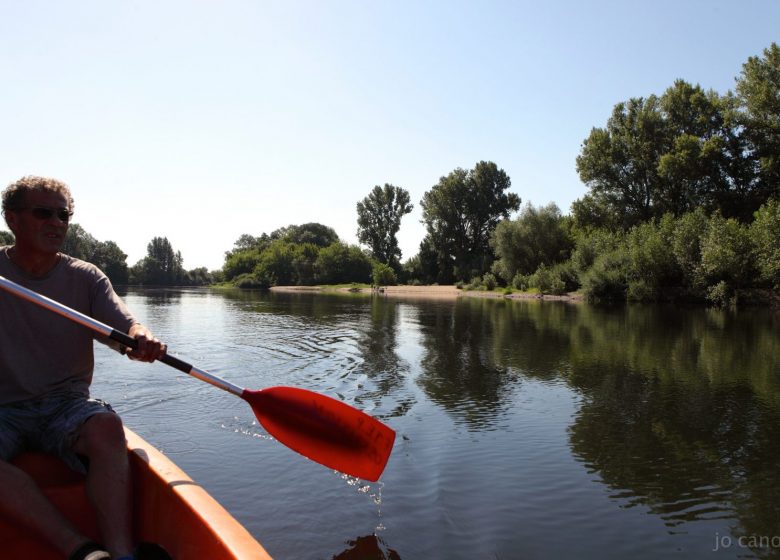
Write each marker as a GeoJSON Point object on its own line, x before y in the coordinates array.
{"type": "Point", "coordinates": [369, 547]}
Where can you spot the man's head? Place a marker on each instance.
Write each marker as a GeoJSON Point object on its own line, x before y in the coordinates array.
{"type": "Point", "coordinates": [37, 210]}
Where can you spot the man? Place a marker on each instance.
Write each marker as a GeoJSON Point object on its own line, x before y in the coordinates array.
{"type": "Point", "coordinates": [46, 365]}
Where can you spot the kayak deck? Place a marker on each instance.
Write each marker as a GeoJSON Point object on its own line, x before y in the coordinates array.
{"type": "Point", "coordinates": [169, 509]}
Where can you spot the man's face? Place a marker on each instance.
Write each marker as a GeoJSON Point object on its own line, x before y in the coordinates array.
{"type": "Point", "coordinates": [33, 230]}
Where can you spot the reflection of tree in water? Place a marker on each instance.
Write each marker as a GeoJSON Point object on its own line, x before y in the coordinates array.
{"type": "Point", "coordinates": [378, 344]}
{"type": "Point", "coordinates": [459, 369]}
{"type": "Point", "coordinates": [156, 297]}
{"type": "Point", "coordinates": [681, 414]}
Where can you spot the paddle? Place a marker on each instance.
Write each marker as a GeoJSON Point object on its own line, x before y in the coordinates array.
{"type": "Point", "coordinates": [321, 428]}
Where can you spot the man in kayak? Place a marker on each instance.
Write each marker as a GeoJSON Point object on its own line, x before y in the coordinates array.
{"type": "Point", "coordinates": [46, 365]}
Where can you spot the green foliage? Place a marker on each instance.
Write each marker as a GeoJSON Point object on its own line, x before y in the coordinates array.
{"type": "Point", "coordinates": [279, 267]}
{"type": "Point", "coordinates": [588, 246]}
{"type": "Point", "coordinates": [303, 263]}
{"type": "Point", "coordinates": [6, 238]}
{"type": "Point", "coordinates": [758, 88]}
{"type": "Point", "coordinates": [641, 291]}
{"type": "Point", "coordinates": [460, 213]}
{"type": "Point", "coordinates": [489, 281]}
{"type": "Point", "coordinates": [721, 294]}
{"type": "Point", "coordinates": [162, 266]}
{"type": "Point", "coordinates": [275, 266]}
{"type": "Point", "coordinates": [339, 263]}
{"type": "Point", "coordinates": [648, 250]}
{"type": "Point", "coordinates": [618, 162]}
{"type": "Point", "coordinates": [379, 219]}
{"type": "Point", "coordinates": [765, 233]}
{"type": "Point", "coordinates": [686, 247]}
{"type": "Point", "coordinates": [727, 253]}
{"type": "Point", "coordinates": [521, 282]}
{"type": "Point", "coordinates": [607, 279]}
{"type": "Point", "coordinates": [538, 236]}
{"type": "Point", "coordinates": [568, 276]}
{"type": "Point", "coordinates": [106, 255]}
{"type": "Point", "coordinates": [686, 149]}
{"type": "Point", "coordinates": [251, 281]}
{"type": "Point", "coordinates": [313, 233]}
{"type": "Point", "coordinates": [240, 262]}
{"type": "Point", "coordinates": [383, 275]}
{"type": "Point", "coordinates": [548, 280]}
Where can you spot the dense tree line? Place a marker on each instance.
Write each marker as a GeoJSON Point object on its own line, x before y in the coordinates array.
{"type": "Point", "coordinates": [684, 150]}
{"type": "Point", "coordinates": [682, 198]}
{"type": "Point", "coordinates": [161, 267]}
{"type": "Point", "coordinates": [691, 256]}
{"type": "Point", "coordinates": [305, 254]}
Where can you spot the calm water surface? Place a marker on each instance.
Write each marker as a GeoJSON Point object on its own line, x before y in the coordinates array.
{"type": "Point", "coordinates": [526, 429]}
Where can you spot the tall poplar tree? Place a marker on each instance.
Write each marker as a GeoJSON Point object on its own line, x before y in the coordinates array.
{"type": "Point", "coordinates": [379, 219]}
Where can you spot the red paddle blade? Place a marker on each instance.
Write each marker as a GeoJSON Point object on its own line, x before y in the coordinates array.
{"type": "Point", "coordinates": [324, 429]}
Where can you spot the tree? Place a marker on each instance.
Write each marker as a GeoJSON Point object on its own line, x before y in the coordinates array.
{"type": "Point", "coordinates": [339, 263]}
{"type": "Point", "coordinates": [109, 258]}
{"type": "Point", "coordinates": [106, 255]}
{"type": "Point", "coordinates": [161, 266]}
{"type": "Point", "coordinates": [78, 243]}
{"type": "Point", "coordinates": [618, 162]}
{"type": "Point", "coordinates": [765, 231]}
{"type": "Point", "coordinates": [758, 89]}
{"type": "Point", "coordinates": [460, 213]}
{"type": "Point", "coordinates": [687, 149]}
{"type": "Point", "coordinates": [276, 264]}
{"type": "Point", "coordinates": [314, 233]}
{"type": "Point", "coordinates": [6, 238]}
{"type": "Point", "coordinates": [383, 275]}
{"type": "Point", "coordinates": [536, 237]}
{"type": "Point", "coordinates": [379, 219]}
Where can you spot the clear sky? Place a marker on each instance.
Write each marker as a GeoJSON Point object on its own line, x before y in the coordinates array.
{"type": "Point", "coordinates": [203, 120]}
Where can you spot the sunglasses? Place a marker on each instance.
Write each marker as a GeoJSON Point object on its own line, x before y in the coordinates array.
{"type": "Point", "coordinates": [44, 213]}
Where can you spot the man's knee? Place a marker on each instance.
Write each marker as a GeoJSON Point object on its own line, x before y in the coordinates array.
{"type": "Point", "coordinates": [101, 433]}
{"type": "Point", "coordinates": [14, 477]}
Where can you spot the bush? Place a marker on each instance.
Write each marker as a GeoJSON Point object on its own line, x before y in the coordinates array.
{"type": "Point", "coordinates": [475, 284]}
{"type": "Point", "coordinates": [721, 294]}
{"type": "Point", "coordinates": [489, 282]}
{"type": "Point", "coordinates": [383, 275]}
{"type": "Point", "coordinates": [339, 263]}
{"type": "Point", "coordinates": [726, 253]}
{"type": "Point", "coordinates": [648, 246]}
{"type": "Point", "coordinates": [686, 246]}
{"type": "Point", "coordinates": [592, 244]}
{"type": "Point", "coordinates": [567, 273]}
{"type": "Point", "coordinates": [248, 281]}
{"type": "Point", "coordinates": [542, 280]}
{"type": "Point", "coordinates": [521, 282]}
{"type": "Point", "coordinates": [607, 279]}
{"type": "Point", "coordinates": [765, 233]}
{"type": "Point", "coordinates": [640, 290]}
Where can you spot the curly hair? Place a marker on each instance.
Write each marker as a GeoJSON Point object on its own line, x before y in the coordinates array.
{"type": "Point", "coordinates": [14, 195]}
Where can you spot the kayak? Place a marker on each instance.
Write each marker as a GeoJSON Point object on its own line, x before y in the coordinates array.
{"type": "Point", "coordinates": [170, 509]}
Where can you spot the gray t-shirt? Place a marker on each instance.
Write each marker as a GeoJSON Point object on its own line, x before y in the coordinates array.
{"type": "Point", "coordinates": [42, 353]}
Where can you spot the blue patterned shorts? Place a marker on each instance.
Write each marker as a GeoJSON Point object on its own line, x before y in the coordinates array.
{"type": "Point", "coordinates": [49, 424]}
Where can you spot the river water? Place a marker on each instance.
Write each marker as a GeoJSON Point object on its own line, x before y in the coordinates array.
{"type": "Point", "coordinates": [525, 429]}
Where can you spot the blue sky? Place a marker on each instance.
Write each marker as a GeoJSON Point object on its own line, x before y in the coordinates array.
{"type": "Point", "coordinates": [200, 120]}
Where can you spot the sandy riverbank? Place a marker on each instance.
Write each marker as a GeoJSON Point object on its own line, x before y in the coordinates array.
{"type": "Point", "coordinates": [433, 292]}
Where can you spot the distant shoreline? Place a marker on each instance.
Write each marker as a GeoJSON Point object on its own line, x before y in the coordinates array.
{"type": "Point", "coordinates": [428, 292]}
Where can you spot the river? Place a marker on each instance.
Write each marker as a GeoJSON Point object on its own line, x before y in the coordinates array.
{"type": "Point", "coordinates": [525, 429]}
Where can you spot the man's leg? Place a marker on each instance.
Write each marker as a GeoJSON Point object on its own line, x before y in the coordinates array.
{"type": "Point", "coordinates": [102, 440]}
{"type": "Point", "coordinates": [22, 500]}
